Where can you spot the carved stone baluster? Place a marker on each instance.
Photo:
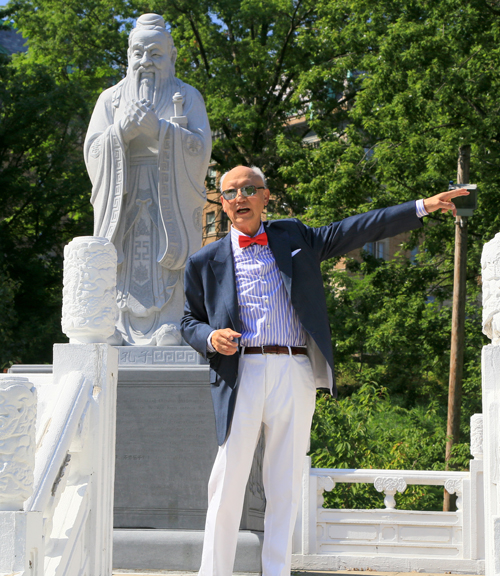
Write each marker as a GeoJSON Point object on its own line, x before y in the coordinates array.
{"type": "Point", "coordinates": [17, 441]}
{"type": "Point", "coordinates": [89, 312]}
{"type": "Point", "coordinates": [325, 483]}
{"type": "Point", "coordinates": [389, 486]}
{"type": "Point", "coordinates": [453, 486]}
{"type": "Point", "coordinates": [476, 436]}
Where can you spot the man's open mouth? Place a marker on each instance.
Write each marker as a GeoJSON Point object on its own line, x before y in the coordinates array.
{"type": "Point", "coordinates": [242, 210]}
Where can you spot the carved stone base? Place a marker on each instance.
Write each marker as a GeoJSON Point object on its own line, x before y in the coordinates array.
{"type": "Point", "coordinates": [166, 443]}
{"type": "Point", "coordinates": [159, 357]}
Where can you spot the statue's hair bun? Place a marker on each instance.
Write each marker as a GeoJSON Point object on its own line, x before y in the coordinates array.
{"type": "Point", "coordinates": [150, 21]}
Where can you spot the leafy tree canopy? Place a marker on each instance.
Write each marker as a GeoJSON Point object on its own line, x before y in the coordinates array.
{"type": "Point", "coordinates": [391, 88]}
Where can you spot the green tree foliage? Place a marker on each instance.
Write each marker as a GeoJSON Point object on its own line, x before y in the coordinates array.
{"type": "Point", "coordinates": [44, 195]}
{"type": "Point", "coordinates": [368, 430]}
{"type": "Point", "coordinates": [391, 88]}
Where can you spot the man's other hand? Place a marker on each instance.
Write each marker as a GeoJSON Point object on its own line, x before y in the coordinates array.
{"type": "Point", "coordinates": [224, 341]}
{"type": "Point", "coordinates": [443, 201]}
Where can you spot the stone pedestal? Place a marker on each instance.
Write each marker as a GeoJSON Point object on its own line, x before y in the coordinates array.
{"type": "Point", "coordinates": [166, 443]}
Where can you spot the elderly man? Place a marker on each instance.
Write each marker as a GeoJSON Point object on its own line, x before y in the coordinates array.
{"type": "Point", "coordinates": [255, 306]}
{"type": "Point", "coordinates": [147, 150]}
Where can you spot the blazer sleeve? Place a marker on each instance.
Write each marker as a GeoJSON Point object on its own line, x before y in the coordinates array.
{"type": "Point", "coordinates": [195, 328]}
{"type": "Point", "coordinates": [338, 238]}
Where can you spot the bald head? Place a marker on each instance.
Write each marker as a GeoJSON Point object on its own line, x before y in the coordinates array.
{"type": "Point", "coordinates": [245, 211]}
{"type": "Point", "coordinates": [246, 172]}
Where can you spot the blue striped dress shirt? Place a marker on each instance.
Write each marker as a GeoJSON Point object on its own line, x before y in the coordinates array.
{"type": "Point", "coordinates": [266, 313]}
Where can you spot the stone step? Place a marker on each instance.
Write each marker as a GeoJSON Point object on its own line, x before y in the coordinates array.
{"type": "Point", "coordinates": [179, 550]}
{"type": "Point", "coordinates": [308, 573]}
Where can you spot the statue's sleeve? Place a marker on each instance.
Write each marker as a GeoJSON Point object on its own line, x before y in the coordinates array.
{"type": "Point", "coordinates": [105, 158]}
{"type": "Point", "coordinates": [184, 157]}
{"type": "Point", "coordinates": [198, 125]}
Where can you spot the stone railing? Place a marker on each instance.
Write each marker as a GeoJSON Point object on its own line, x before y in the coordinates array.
{"type": "Point", "coordinates": [57, 436]}
{"type": "Point", "coordinates": [390, 539]}
{"type": "Point", "coordinates": [56, 516]}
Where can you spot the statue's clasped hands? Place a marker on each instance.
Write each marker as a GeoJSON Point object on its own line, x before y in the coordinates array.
{"type": "Point", "coordinates": [139, 118]}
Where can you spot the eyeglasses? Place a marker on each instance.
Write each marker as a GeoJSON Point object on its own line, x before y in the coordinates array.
{"type": "Point", "coordinates": [231, 193]}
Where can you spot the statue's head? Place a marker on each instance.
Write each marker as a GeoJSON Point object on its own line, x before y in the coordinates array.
{"type": "Point", "coordinates": [151, 51]}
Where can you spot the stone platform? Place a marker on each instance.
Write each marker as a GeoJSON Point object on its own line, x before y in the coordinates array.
{"type": "Point", "coordinates": [166, 443]}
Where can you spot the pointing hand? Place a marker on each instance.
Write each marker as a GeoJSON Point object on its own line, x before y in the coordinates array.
{"type": "Point", "coordinates": [224, 341]}
{"type": "Point", "coordinates": [443, 201]}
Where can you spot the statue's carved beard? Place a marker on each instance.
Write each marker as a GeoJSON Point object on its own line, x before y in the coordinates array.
{"type": "Point", "coordinates": [148, 85]}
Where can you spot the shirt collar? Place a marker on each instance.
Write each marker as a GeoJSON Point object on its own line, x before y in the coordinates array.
{"type": "Point", "coordinates": [235, 234]}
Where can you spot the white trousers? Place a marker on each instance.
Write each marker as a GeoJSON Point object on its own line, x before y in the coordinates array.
{"type": "Point", "coordinates": [279, 391]}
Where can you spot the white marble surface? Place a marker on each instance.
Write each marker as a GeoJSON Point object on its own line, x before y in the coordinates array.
{"type": "Point", "coordinates": [17, 441]}
{"type": "Point", "coordinates": [490, 264]}
{"type": "Point", "coordinates": [147, 151]}
{"type": "Point", "coordinates": [89, 311]}
{"type": "Point", "coordinates": [491, 456]}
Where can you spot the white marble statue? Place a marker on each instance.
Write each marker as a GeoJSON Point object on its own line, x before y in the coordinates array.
{"type": "Point", "coordinates": [147, 151]}
{"type": "Point", "coordinates": [490, 264]}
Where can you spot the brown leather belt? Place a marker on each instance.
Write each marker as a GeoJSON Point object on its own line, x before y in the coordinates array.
{"type": "Point", "coordinates": [275, 350]}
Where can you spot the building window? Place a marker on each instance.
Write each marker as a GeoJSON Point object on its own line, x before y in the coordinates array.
{"type": "Point", "coordinates": [413, 255]}
{"type": "Point", "coordinates": [376, 249]}
{"type": "Point", "coordinates": [211, 178]}
{"type": "Point", "coordinates": [224, 222]}
{"type": "Point", "coordinates": [210, 223]}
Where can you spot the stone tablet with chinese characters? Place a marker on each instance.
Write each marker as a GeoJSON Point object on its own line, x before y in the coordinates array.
{"type": "Point", "coordinates": [147, 152]}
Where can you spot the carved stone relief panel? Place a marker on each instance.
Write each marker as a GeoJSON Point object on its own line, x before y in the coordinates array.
{"type": "Point", "coordinates": [17, 440]}
{"type": "Point", "coordinates": [490, 264]}
{"type": "Point", "coordinates": [476, 436]}
{"type": "Point", "coordinates": [89, 311]}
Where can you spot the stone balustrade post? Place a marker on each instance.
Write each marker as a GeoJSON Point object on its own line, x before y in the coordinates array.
{"type": "Point", "coordinates": [490, 263]}
{"type": "Point", "coordinates": [90, 311]}
{"type": "Point", "coordinates": [20, 532]}
{"type": "Point", "coordinates": [476, 488]}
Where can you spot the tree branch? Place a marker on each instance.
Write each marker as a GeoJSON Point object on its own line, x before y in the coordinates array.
{"type": "Point", "coordinates": [192, 23]}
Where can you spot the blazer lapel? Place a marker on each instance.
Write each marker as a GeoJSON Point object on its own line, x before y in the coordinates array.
{"type": "Point", "coordinates": [279, 243]}
{"type": "Point", "coordinates": [223, 269]}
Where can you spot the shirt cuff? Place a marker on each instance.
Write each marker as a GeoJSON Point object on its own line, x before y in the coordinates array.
{"type": "Point", "coordinates": [421, 211]}
{"type": "Point", "coordinates": [210, 348]}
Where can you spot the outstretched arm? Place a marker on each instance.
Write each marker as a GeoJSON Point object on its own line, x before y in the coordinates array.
{"type": "Point", "coordinates": [354, 232]}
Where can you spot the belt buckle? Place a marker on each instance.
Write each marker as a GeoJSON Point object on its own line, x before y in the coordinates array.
{"type": "Point", "coordinates": [270, 346]}
{"type": "Point", "coordinates": [262, 348]}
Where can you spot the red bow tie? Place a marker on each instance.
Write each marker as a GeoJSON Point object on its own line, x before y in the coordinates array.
{"type": "Point", "coordinates": [247, 240]}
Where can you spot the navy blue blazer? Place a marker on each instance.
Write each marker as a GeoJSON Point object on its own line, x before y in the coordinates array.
{"type": "Point", "coordinates": [211, 300]}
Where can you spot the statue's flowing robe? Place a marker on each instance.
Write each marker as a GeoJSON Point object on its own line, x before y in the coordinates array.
{"type": "Point", "coordinates": [148, 199]}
